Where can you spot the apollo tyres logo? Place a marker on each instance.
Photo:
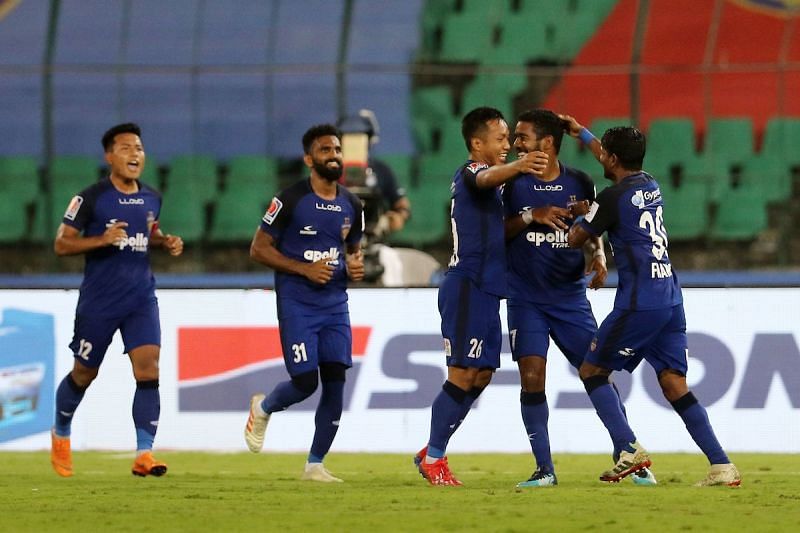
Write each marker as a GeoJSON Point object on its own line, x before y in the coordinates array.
{"type": "Point", "coordinates": [556, 239]}
{"type": "Point", "coordinates": [137, 243]}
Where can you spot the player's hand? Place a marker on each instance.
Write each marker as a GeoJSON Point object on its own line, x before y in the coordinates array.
{"type": "Point", "coordinates": [355, 266]}
{"type": "Point", "coordinates": [571, 126]}
{"type": "Point", "coordinates": [552, 216]}
{"type": "Point", "coordinates": [319, 272]}
{"type": "Point", "coordinates": [173, 244]}
{"type": "Point", "coordinates": [598, 266]}
{"type": "Point", "coordinates": [115, 233]}
{"type": "Point", "coordinates": [579, 208]}
{"type": "Point", "coordinates": [532, 163]}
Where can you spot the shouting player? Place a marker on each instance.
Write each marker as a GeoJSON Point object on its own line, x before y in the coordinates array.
{"type": "Point", "coordinates": [115, 224]}
{"type": "Point", "coordinates": [647, 321]}
{"type": "Point", "coordinates": [311, 237]}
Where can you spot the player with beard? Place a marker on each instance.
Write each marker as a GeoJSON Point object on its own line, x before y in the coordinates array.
{"type": "Point", "coordinates": [546, 278]}
{"type": "Point", "coordinates": [311, 235]}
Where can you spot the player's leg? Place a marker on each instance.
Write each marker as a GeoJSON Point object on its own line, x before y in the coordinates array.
{"type": "Point", "coordinates": [529, 336]}
{"type": "Point", "coordinates": [619, 338]}
{"type": "Point", "coordinates": [668, 357]}
{"type": "Point", "coordinates": [141, 334]}
{"type": "Point", "coordinates": [471, 329]}
{"type": "Point", "coordinates": [335, 357]}
{"type": "Point", "coordinates": [299, 341]}
{"type": "Point", "coordinates": [90, 340]}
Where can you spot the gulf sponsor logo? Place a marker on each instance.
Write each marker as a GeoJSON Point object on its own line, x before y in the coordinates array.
{"type": "Point", "coordinates": [219, 368]}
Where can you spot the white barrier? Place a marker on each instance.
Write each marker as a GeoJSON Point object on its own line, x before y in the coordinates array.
{"type": "Point", "coordinates": [219, 346]}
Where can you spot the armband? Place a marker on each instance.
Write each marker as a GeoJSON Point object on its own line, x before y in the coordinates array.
{"type": "Point", "coordinates": [586, 136]}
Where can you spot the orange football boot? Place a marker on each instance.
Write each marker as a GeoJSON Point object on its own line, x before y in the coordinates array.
{"type": "Point", "coordinates": [146, 465]}
{"type": "Point", "coordinates": [60, 455]}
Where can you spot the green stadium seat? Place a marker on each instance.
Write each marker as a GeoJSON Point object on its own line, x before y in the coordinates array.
{"type": "Point", "coordinates": [670, 143]}
{"type": "Point", "coordinates": [401, 165]}
{"type": "Point", "coordinates": [467, 36]}
{"type": "Point", "coordinates": [439, 168]}
{"type": "Point", "coordinates": [686, 213]}
{"type": "Point", "coordinates": [432, 17]}
{"type": "Point", "coordinates": [770, 174]}
{"type": "Point", "coordinates": [71, 174]}
{"type": "Point", "coordinates": [741, 215]}
{"type": "Point", "coordinates": [522, 40]}
{"type": "Point", "coordinates": [237, 213]}
{"type": "Point", "coordinates": [728, 142]}
{"type": "Point", "coordinates": [258, 174]}
{"type": "Point", "coordinates": [19, 178]}
{"type": "Point", "coordinates": [13, 218]}
{"type": "Point", "coordinates": [183, 213]}
{"type": "Point", "coordinates": [194, 172]}
{"type": "Point", "coordinates": [574, 23]}
{"type": "Point", "coordinates": [429, 222]}
{"type": "Point", "coordinates": [781, 141]}
{"type": "Point", "coordinates": [431, 107]}
{"type": "Point", "coordinates": [495, 89]}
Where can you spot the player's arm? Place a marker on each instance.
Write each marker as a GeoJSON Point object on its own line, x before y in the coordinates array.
{"type": "Point", "coordinates": [548, 215]}
{"type": "Point", "coordinates": [575, 129]}
{"type": "Point", "coordinates": [597, 264]}
{"type": "Point", "coordinates": [263, 250]}
{"type": "Point", "coordinates": [171, 243]}
{"type": "Point", "coordinates": [355, 262]}
{"type": "Point", "coordinates": [70, 241]}
{"type": "Point", "coordinates": [530, 163]}
{"type": "Point", "coordinates": [399, 214]}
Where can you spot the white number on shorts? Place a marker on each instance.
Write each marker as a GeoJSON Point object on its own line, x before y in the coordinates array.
{"type": "Point", "coordinates": [84, 349]}
{"type": "Point", "coordinates": [513, 338]}
{"type": "Point", "coordinates": [299, 352]}
{"type": "Point", "coordinates": [475, 348]}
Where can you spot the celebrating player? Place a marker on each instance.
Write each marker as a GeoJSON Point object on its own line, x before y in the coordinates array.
{"type": "Point", "coordinates": [648, 320]}
{"type": "Point", "coordinates": [547, 285]}
{"type": "Point", "coordinates": [115, 223]}
{"type": "Point", "coordinates": [469, 297]}
{"type": "Point", "coordinates": [303, 236]}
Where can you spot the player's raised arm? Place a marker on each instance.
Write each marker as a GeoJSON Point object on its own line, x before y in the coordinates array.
{"type": "Point", "coordinates": [575, 129]}
{"type": "Point", "coordinates": [263, 250]}
{"type": "Point", "coordinates": [70, 241]}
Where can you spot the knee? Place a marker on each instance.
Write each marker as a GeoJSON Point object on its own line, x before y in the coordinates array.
{"type": "Point", "coordinates": [306, 382]}
{"type": "Point", "coordinates": [588, 370]}
{"type": "Point", "coordinates": [532, 380]}
{"type": "Point", "coordinates": [145, 362]}
{"type": "Point", "coordinates": [82, 376]}
{"type": "Point", "coordinates": [673, 384]}
{"type": "Point", "coordinates": [482, 379]}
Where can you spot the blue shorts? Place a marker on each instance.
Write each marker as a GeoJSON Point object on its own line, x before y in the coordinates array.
{"type": "Point", "coordinates": [470, 324]}
{"type": "Point", "coordinates": [626, 337]}
{"type": "Point", "coordinates": [531, 325]}
{"type": "Point", "coordinates": [308, 340]}
{"type": "Point", "coordinates": [93, 333]}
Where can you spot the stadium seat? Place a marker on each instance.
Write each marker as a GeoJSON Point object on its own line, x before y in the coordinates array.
{"type": "Point", "coordinates": [253, 172]}
{"type": "Point", "coordinates": [183, 213]}
{"type": "Point", "coordinates": [19, 178]}
{"type": "Point", "coordinates": [728, 143]}
{"type": "Point", "coordinates": [494, 89]}
{"type": "Point", "coordinates": [522, 39]}
{"type": "Point", "coordinates": [401, 165]}
{"type": "Point", "coordinates": [670, 143]}
{"type": "Point", "coordinates": [686, 214]}
{"type": "Point", "coordinates": [438, 168]}
{"type": "Point", "coordinates": [195, 172]}
{"type": "Point", "coordinates": [429, 222]}
{"type": "Point", "coordinates": [237, 213]}
{"type": "Point", "coordinates": [431, 107]}
{"type": "Point", "coordinates": [468, 36]}
{"type": "Point", "coordinates": [432, 17]}
{"type": "Point", "coordinates": [768, 173]}
{"type": "Point", "coordinates": [13, 218]}
{"type": "Point", "coordinates": [741, 215]}
{"type": "Point", "coordinates": [71, 174]}
{"type": "Point", "coordinates": [781, 141]}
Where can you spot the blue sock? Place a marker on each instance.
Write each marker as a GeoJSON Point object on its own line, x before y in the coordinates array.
{"type": "Point", "coordinates": [284, 395]}
{"type": "Point", "coordinates": [68, 397]}
{"type": "Point", "coordinates": [607, 403]}
{"type": "Point", "coordinates": [326, 421]}
{"type": "Point", "coordinates": [447, 412]}
{"type": "Point", "coordinates": [535, 414]}
{"type": "Point", "coordinates": [146, 411]}
{"type": "Point", "coordinates": [469, 399]}
{"type": "Point", "coordinates": [696, 419]}
{"type": "Point", "coordinates": [624, 412]}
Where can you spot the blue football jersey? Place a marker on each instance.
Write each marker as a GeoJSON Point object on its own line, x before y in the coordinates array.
{"type": "Point", "coordinates": [117, 278]}
{"type": "Point", "coordinates": [542, 268]}
{"type": "Point", "coordinates": [476, 216]}
{"type": "Point", "coordinates": [632, 212]}
{"type": "Point", "coordinates": [308, 228]}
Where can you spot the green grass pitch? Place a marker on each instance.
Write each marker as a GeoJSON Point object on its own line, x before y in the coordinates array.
{"type": "Point", "coordinates": [383, 492]}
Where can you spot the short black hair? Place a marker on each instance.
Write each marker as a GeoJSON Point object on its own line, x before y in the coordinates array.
{"type": "Point", "coordinates": [628, 144]}
{"type": "Point", "coordinates": [474, 123]}
{"type": "Point", "coordinates": [317, 131]}
{"type": "Point", "coordinates": [545, 123]}
{"type": "Point", "coordinates": [128, 127]}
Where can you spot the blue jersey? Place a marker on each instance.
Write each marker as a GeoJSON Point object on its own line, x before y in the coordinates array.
{"type": "Point", "coordinates": [542, 268]}
{"type": "Point", "coordinates": [308, 228]}
{"type": "Point", "coordinates": [117, 278]}
{"type": "Point", "coordinates": [632, 212]}
{"type": "Point", "coordinates": [476, 216]}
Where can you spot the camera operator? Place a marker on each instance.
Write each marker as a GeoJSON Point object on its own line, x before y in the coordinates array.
{"type": "Point", "coordinates": [386, 207]}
